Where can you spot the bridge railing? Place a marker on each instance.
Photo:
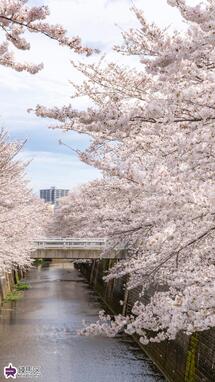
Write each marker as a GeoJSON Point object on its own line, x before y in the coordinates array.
{"type": "Point", "coordinates": [65, 243]}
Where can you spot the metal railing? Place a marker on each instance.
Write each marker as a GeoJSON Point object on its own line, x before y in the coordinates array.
{"type": "Point", "coordinates": [69, 243]}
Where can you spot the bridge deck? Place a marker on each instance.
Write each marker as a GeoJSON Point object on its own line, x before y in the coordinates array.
{"type": "Point", "coordinates": [71, 248]}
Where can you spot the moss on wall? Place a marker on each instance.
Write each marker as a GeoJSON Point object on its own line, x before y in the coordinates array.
{"type": "Point", "coordinates": [190, 371]}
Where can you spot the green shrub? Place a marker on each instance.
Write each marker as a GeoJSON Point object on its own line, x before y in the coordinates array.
{"type": "Point", "coordinates": [22, 286]}
{"type": "Point", "coordinates": [13, 296]}
{"type": "Point", "coordinates": [39, 261]}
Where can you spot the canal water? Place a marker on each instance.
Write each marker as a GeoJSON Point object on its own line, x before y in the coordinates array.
{"type": "Point", "coordinates": [38, 334]}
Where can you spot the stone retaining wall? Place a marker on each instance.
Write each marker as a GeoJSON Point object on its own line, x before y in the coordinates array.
{"type": "Point", "coordinates": [7, 282]}
{"type": "Point", "coordinates": [187, 359]}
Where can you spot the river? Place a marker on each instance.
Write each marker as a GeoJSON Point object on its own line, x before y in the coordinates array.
{"type": "Point", "coordinates": [39, 334]}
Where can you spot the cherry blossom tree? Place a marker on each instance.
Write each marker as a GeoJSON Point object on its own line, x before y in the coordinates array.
{"type": "Point", "coordinates": [21, 214]}
{"type": "Point", "coordinates": [23, 217]}
{"type": "Point", "coordinates": [152, 134]}
{"type": "Point", "coordinates": [17, 18]}
{"type": "Point", "coordinates": [97, 208]}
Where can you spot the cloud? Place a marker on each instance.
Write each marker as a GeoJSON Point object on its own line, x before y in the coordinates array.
{"type": "Point", "coordinates": [95, 21]}
{"type": "Point", "coordinates": [56, 169]}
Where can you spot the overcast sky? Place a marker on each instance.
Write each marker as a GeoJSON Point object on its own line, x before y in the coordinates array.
{"type": "Point", "coordinates": [99, 23]}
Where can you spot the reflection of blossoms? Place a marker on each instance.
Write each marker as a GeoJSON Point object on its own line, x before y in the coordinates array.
{"type": "Point", "coordinates": [152, 136]}
{"type": "Point", "coordinates": [16, 17]}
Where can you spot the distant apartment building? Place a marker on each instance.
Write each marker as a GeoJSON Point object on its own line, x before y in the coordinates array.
{"type": "Point", "coordinates": [51, 195]}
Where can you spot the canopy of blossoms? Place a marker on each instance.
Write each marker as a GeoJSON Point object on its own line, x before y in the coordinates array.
{"type": "Point", "coordinates": [23, 217]}
{"type": "Point", "coordinates": [152, 134]}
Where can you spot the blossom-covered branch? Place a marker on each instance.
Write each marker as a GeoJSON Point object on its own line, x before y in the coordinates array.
{"type": "Point", "coordinates": [16, 17]}
{"type": "Point", "coordinates": [152, 136]}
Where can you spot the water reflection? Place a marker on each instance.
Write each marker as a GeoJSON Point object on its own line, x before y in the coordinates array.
{"type": "Point", "coordinates": [40, 330]}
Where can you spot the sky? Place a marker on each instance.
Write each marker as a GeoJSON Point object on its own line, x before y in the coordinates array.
{"type": "Point", "coordinates": [99, 23]}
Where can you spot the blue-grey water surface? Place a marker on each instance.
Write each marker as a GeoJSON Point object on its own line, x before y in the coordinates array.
{"type": "Point", "coordinates": [40, 330]}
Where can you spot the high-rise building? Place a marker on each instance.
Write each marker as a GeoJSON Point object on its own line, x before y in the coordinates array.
{"type": "Point", "coordinates": [51, 195]}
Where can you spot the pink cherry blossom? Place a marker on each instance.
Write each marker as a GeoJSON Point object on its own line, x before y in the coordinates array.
{"type": "Point", "coordinates": [16, 18]}
{"type": "Point", "coordinates": [152, 136]}
{"type": "Point", "coordinates": [23, 217]}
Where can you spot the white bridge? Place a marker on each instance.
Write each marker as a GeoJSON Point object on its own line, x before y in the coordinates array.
{"type": "Point", "coordinates": [71, 248]}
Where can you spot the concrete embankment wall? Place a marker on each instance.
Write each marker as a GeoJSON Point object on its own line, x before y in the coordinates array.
{"type": "Point", "coordinates": [187, 359]}
{"type": "Point", "coordinates": [7, 282]}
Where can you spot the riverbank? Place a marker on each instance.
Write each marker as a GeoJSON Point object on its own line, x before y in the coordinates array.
{"type": "Point", "coordinates": [8, 281]}
{"type": "Point", "coordinates": [187, 359]}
